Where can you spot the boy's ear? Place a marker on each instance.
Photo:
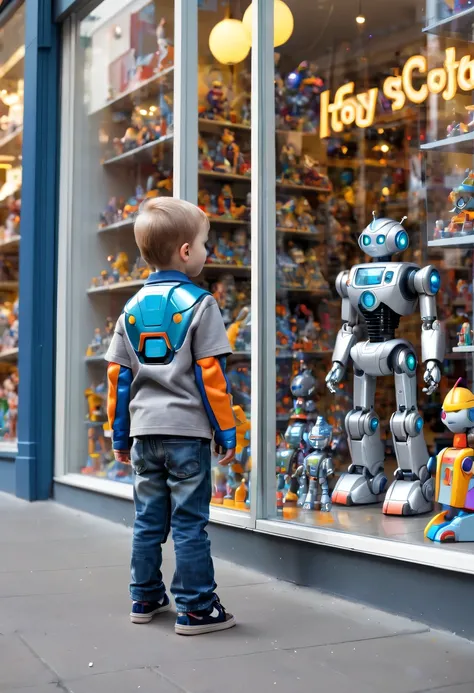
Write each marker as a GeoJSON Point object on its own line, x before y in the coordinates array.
{"type": "Point", "coordinates": [184, 252]}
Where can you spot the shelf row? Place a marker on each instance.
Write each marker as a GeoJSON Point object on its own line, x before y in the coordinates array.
{"type": "Point", "coordinates": [237, 270]}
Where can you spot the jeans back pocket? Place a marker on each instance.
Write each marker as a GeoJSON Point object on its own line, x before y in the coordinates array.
{"type": "Point", "coordinates": [137, 456]}
{"type": "Point", "coordinates": [182, 457]}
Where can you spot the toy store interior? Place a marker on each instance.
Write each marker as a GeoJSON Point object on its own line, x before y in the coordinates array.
{"type": "Point", "coordinates": [374, 120]}
{"type": "Point", "coordinates": [12, 52]}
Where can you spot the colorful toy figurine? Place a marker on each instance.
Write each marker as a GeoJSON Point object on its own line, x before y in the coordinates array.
{"type": "Point", "coordinates": [462, 223]}
{"type": "Point", "coordinates": [217, 101]}
{"type": "Point", "coordinates": [120, 267]}
{"type": "Point", "coordinates": [374, 298]}
{"type": "Point", "coordinates": [453, 469]}
{"type": "Point", "coordinates": [318, 467]}
{"type": "Point", "coordinates": [302, 417]}
{"type": "Point", "coordinates": [226, 206]}
{"type": "Point", "coordinates": [465, 335]}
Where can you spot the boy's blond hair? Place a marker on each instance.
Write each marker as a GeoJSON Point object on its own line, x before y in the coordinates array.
{"type": "Point", "coordinates": [163, 225]}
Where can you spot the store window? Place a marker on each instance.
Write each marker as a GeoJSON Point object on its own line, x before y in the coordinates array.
{"type": "Point", "coordinates": [224, 194]}
{"type": "Point", "coordinates": [122, 154]}
{"type": "Point", "coordinates": [371, 123]}
{"type": "Point", "coordinates": [12, 53]}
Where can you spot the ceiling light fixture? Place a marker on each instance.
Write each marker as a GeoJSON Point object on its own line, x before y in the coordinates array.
{"type": "Point", "coordinates": [360, 19]}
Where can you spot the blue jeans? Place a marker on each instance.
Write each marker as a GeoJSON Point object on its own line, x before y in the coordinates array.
{"type": "Point", "coordinates": [172, 488]}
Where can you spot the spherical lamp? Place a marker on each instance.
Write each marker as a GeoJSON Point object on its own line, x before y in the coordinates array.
{"type": "Point", "coordinates": [229, 42]}
{"type": "Point", "coordinates": [283, 22]}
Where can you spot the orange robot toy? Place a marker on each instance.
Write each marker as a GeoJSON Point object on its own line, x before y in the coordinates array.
{"type": "Point", "coordinates": [454, 468]}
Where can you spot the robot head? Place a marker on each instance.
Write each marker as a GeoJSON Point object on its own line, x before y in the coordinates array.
{"type": "Point", "coordinates": [321, 434]}
{"type": "Point", "coordinates": [303, 384]}
{"type": "Point", "coordinates": [458, 409]}
{"type": "Point", "coordinates": [463, 196]}
{"type": "Point", "coordinates": [383, 237]}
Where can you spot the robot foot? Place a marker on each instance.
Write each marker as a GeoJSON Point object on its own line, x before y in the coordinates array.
{"type": "Point", "coordinates": [356, 489]}
{"type": "Point", "coordinates": [459, 528]}
{"type": "Point", "coordinates": [409, 498]}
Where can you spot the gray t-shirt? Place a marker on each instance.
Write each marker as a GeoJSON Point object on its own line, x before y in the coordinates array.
{"type": "Point", "coordinates": [164, 399]}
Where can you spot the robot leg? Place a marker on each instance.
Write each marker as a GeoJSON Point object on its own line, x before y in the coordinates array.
{"type": "Point", "coordinates": [413, 489]}
{"type": "Point", "coordinates": [365, 481]}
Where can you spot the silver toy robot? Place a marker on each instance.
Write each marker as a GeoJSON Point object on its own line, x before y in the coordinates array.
{"type": "Point", "coordinates": [374, 298]}
{"type": "Point", "coordinates": [317, 467]}
{"type": "Point", "coordinates": [302, 418]}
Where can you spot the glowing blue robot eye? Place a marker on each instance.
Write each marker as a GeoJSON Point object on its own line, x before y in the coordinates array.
{"type": "Point", "coordinates": [367, 299]}
{"type": "Point", "coordinates": [374, 424]}
{"type": "Point", "coordinates": [471, 414]}
{"type": "Point", "coordinates": [366, 239]}
{"type": "Point", "coordinates": [411, 362]}
{"type": "Point", "coordinates": [401, 240]}
{"type": "Point", "coordinates": [380, 240]}
{"type": "Point", "coordinates": [419, 424]}
{"type": "Point", "coordinates": [435, 281]}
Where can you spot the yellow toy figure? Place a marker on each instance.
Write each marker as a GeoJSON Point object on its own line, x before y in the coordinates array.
{"type": "Point", "coordinates": [120, 267]}
{"type": "Point", "coordinates": [454, 469]}
{"type": "Point", "coordinates": [233, 333]}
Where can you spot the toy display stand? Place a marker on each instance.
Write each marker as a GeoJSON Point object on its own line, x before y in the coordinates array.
{"type": "Point", "coordinates": [11, 136]}
{"type": "Point", "coordinates": [450, 231]}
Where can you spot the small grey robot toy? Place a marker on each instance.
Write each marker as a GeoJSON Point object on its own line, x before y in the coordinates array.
{"type": "Point", "coordinates": [317, 467]}
{"type": "Point", "coordinates": [303, 416]}
{"type": "Point", "coordinates": [374, 298]}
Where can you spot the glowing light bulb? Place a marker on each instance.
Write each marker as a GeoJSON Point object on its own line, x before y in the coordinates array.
{"type": "Point", "coordinates": [384, 148]}
{"type": "Point", "coordinates": [360, 19]}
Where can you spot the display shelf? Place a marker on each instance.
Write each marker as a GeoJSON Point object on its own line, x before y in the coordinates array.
{"type": "Point", "coordinates": [208, 125]}
{"type": "Point", "coordinates": [118, 226]}
{"type": "Point", "coordinates": [120, 102]}
{"type": "Point", "coordinates": [119, 287]}
{"type": "Point", "coordinates": [463, 349]}
{"type": "Point", "coordinates": [458, 25]}
{"type": "Point", "coordinates": [367, 163]}
{"type": "Point", "coordinates": [140, 155]}
{"type": "Point", "coordinates": [9, 446]}
{"type": "Point", "coordinates": [282, 185]}
{"type": "Point", "coordinates": [10, 245]}
{"type": "Point", "coordinates": [452, 242]}
{"type": "Point", "coordinates": [317, 293]}
{"type": "Point", "coordinates": [231, 222]}
{"type": "Point", "coordinates": [9, 285]}
{"type": "Point", "coordinates": [300, 234]}
{"type": "Point", "coordinates": [224, 176]}
{"type": "Point", "coordinates": [296, 355]}
{"type": "Point", "coordinates": [462, 144]}
{"type": "Point", "coordinates": [10, 145]}
{"type": "Point", "coordinates": [234, 269]}
{"type": "Point", "coordinates": [9, 356]}
{"type": "Point", "coordinates": [97, 358]}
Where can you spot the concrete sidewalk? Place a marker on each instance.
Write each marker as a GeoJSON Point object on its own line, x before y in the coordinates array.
{"type": "Point", "coordinates": [64, 625]}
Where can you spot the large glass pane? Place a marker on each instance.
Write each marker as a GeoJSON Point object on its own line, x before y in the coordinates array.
{"type": "Point", "coordinates": [224, 194]}
{"type": "Point", "coordinates": [354, 104]}
{"type": "Point", "coordinates": [12, 53]}
{"type": "Point", "coordinates": [123, 136]}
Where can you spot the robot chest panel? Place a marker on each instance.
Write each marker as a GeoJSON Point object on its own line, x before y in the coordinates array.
{"type": "Point", "coordinates": [382, 283]}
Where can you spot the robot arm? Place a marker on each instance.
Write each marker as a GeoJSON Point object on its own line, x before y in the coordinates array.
{"type": "Point", "coordinates": [426, 283]}
{"type": "Point", "coordinates": [349, 334]}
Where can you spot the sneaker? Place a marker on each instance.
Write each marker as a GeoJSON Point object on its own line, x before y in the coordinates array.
{"type": "Point", "coordinates": [206, 621]}
{"type": "Point", "coordinates": [143, 612]}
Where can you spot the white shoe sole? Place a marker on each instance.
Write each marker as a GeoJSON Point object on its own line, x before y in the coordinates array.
{"type": "Point", "coordinates": [146, 618]}
{"type": "Point", "coordinates": [208, 628]}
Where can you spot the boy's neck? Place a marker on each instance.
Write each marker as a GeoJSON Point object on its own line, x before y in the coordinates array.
{"type": "Point", "coordinates": [169, 274]}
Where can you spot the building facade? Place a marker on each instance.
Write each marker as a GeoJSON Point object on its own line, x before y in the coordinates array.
{"type": "Point", "coordinates": [293, 126]}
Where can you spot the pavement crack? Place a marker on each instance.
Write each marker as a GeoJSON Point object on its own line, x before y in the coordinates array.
{"type": "Point", "coordinates": [356, 640]}
{"type": "Point", "coordinates": [162, 676]}
{"type": "Point", "coordinates": [58, 681]}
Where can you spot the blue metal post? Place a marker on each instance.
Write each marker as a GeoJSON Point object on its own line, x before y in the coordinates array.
{"type": "Point", "coordinates": [34, 465]}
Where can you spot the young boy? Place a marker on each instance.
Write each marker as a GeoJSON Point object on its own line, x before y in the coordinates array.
{"type": "Point", "coordinates": [167, 390]}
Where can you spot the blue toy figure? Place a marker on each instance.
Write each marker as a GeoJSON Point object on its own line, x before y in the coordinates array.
{"type": "Point", "coordinates": [296, 436]}
{"type": "Point", "coordinates": [454, 468]}
{"type": "Point", "coordinates": [318, 466]}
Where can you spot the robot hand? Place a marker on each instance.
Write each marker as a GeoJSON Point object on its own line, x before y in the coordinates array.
{"type": "Point", "coordinates": [431, 377]}
{"type": "Point", "coordinates": [334, 376]}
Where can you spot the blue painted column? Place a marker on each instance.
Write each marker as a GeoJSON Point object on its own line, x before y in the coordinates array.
{"type": "Point", "coordinates": [34, 464]}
